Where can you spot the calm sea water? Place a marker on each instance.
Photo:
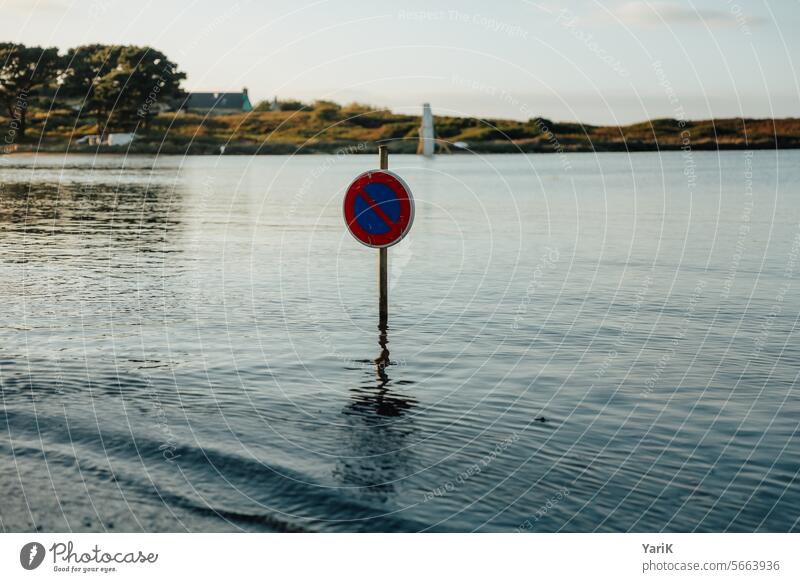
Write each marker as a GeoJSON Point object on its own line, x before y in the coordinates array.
{"type": "Point", "coordinates": [577, 343]}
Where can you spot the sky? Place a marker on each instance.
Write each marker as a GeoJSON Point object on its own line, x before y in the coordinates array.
{"type": "Point", "coordinates": [595, 62]}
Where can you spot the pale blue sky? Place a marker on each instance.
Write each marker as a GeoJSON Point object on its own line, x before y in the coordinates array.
{"type": "Point", "coordinates": [583, 60]}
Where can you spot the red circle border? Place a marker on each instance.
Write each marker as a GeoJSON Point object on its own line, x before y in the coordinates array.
{"type": "Point", "coordinates": [404, 197]}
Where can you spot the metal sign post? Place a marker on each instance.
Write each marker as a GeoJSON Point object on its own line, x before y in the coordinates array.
{"type": "Point", "coordinates": [378, 212]}
{"type": "Point", "coordinates": [383, 259]}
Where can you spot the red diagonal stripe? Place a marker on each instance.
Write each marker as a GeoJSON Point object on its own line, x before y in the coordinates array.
{"type": "Point", "coordinates": [375, 207]}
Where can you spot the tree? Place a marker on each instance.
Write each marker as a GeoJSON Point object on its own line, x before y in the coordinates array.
{"type": "Point", "coordinates": [84, 66]}
{"type": "Point", "coordinates": [151, 80]}
{"type": "Point", "coordinates": [326, 111]}
{"type": "Point", "coordinates": [23, 72]}
{"type": "Point", "coordinates": [283, 105]}
{"type": "Point", "coordinates": [124, 86]}
{"type": "Point", "coordinates": [292, 105]}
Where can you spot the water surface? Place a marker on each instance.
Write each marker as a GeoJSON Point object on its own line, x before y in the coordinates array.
{"type": "Point", "coordinates": [576, 343]}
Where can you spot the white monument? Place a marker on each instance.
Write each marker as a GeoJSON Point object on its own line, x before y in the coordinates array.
{"type": "Point", "coordinates": [426, 135]}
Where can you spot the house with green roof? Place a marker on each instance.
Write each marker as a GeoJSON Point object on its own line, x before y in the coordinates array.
{"type": "Point", "coordinates": [218, 103]}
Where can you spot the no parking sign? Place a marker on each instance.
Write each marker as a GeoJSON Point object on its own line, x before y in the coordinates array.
{"type": "Point", "coordinates": [378, 212]}
{"type": "Point", "coordinates": [378, 208]}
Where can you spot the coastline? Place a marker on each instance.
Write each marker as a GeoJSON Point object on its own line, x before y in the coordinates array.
{"type": "Point", "coordinates": [395, 147]}
{"type": "Point", "coordinates": [356, 130]}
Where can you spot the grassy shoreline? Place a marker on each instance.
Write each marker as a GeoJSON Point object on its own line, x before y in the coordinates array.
{"type": "Point", "coordinates": [358, 129]}
{"type": "Point", "coordinates": [396, 147]}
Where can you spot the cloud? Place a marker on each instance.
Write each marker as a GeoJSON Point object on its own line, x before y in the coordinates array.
{"type": "Point", "coordinates": [661, 13]}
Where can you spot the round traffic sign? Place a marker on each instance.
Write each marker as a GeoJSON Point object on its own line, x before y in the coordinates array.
{"type": "Point", "coordinates": [378, 208]}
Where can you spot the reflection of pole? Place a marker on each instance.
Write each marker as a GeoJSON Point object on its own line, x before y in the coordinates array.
{"type": "Point", "coordinates": [383, 259]}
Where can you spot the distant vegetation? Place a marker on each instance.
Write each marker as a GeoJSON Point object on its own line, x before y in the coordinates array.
{"type": "Point", "coordinates": [119, 87]}
{"type": "Point", "coordinates": [51, 100]}
{"type": "Point", "coordinates": [357, 128]}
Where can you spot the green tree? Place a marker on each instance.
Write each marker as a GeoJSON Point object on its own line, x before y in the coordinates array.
{"type": "Point", "coordinates": [292, 105]}
{"type": "Point", "coordinates": [23, 72]}
{"type": "Point", "coordinates": [151, 81]}
{"type": "Point", "coordinates": [84, 67]}
{"type": "Point", "coordinates": [283, 105]}
{"type": "Point", "coordinates": [124, 86]}
{"type": "Point", "coordinates": [326, 111]}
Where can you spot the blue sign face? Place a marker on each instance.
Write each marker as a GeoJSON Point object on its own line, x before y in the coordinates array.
{"type": "Point", "coordinates": [377, 208]}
